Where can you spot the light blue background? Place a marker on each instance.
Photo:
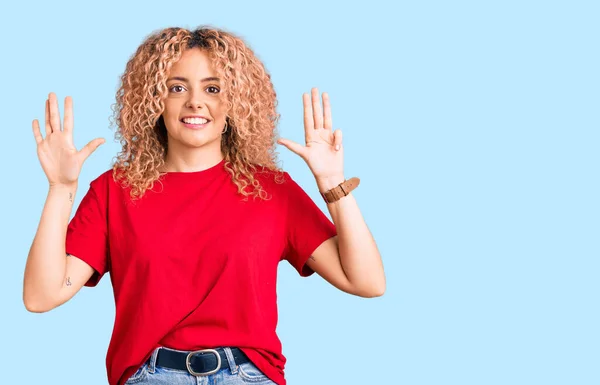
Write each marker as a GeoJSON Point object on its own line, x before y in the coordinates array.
{"type": "Point", "coordinates": [473, 126]}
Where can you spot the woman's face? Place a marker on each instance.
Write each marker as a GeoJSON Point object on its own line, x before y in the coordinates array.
{"type": "Point", "coordinates": [194, 114]}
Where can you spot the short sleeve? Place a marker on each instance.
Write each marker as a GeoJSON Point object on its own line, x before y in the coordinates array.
{"type": "Point", "coordinates": [307, 227]}
{"type": "Point", "coordinates": [87, 234]}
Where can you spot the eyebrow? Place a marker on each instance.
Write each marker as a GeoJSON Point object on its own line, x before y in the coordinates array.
{"type": "Point", "coordinates": [210, 79]}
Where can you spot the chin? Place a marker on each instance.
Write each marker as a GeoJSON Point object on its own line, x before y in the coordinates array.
{"type": "Point", "coordinates": [200, 142]}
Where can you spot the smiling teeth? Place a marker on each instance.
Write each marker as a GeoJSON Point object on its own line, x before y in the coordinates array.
{"type": "Point", "coordinates": [195, 121]}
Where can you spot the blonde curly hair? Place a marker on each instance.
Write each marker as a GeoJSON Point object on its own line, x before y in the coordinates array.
{"type": "Point", "coordinates": [249, 142]}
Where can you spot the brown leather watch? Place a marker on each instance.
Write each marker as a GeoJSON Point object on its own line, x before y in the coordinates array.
{"type": "Point", "coordinates": [340, 190]}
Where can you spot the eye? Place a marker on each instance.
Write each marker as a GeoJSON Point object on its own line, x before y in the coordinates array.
{"type": "Point", "coordinates": [213, 90]}
{"type": "Point", "coordinates": [173, 88]}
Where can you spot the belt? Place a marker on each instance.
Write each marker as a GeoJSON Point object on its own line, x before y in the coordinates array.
{"type": "Point", "coordinates": [200, 362]}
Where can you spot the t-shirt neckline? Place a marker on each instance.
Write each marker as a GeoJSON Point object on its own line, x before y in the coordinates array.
{"type": "Point", "coordinates": [203, 173]}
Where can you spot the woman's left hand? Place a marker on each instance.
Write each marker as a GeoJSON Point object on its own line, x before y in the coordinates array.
{"type": "Point", "coordinates": [323, 152]}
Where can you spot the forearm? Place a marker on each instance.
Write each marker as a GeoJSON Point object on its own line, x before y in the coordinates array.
{"type": "Point", "coordinates": [46, 263]}
{"type": "Point", "coordinates": [359, 256]}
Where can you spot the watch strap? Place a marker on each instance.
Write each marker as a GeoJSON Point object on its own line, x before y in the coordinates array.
{"type": "Point", "coordinates": [340, 190]}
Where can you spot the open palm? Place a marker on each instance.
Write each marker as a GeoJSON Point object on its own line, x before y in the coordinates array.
{"type": "Point", "coordinates": [323, 151]}
{"type": "Point", "coordinates": [58, 156]}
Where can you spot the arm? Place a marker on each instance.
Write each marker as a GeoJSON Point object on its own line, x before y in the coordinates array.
{"type": "Point", "coordinates": [51, 277]}
{"type": "Point", "coordinates": [350, 261]}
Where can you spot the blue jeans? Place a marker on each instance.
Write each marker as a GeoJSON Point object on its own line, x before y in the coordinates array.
{"type": "Point", "coordinates": [246, 373]}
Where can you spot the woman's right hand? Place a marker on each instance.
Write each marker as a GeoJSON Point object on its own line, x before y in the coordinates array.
{"type": "Point", "coordinates": [59, 158]}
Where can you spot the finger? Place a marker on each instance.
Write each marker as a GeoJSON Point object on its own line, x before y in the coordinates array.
{"type": "Point", "coordinates": [68, 122]}
{"type": "Point", "coordinates": [327, 112]}
{"type": "Point", "coordinates": [309, 125]}
{"type": "Point", "coordinates": [316, 106]}
{"type": "Point", "coordinates": [337, 139]}
{"type": "Point", "coordinates": [48, 126]}
{"type": "Point", "coordinates": [89, 148]}
{"type": "Point", "coordinates": [36, 131]}
{"type": "Point", "coordinates": [54, 113]}
{"type": "Point", "coordinates": [293, 146]}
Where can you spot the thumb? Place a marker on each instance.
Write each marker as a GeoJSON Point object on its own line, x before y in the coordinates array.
{"type": "Point", "coordinates": [87, 150]}
{"type": "Point", "coordinates": [337, 139]}
{"type": "Point", "coordinates": [292, 146]}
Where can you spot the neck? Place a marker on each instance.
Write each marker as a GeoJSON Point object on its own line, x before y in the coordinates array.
{"type": "Point", "coordinates": [191, 160]}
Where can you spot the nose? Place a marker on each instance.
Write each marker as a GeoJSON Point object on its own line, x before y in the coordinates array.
{"type": "Point", "coordinates": [195, 100]}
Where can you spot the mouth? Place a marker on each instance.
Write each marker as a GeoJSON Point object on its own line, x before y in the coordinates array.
{"type": "Point", "coordinates": [195, 122]}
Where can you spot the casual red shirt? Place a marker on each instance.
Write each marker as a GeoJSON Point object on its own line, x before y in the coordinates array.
{"type": "Point", "coordinates": [193, 264]}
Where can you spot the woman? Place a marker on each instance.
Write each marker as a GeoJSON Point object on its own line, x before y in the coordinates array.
{"type": "Point", "coordinates": [194, 216]}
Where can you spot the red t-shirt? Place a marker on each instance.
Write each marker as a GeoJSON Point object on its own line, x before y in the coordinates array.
{"type": "Point", "coordinates": [193, 265]}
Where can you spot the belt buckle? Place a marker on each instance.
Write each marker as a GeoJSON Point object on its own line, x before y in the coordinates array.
{"type": "Point", "coordinates": [192, 372]}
